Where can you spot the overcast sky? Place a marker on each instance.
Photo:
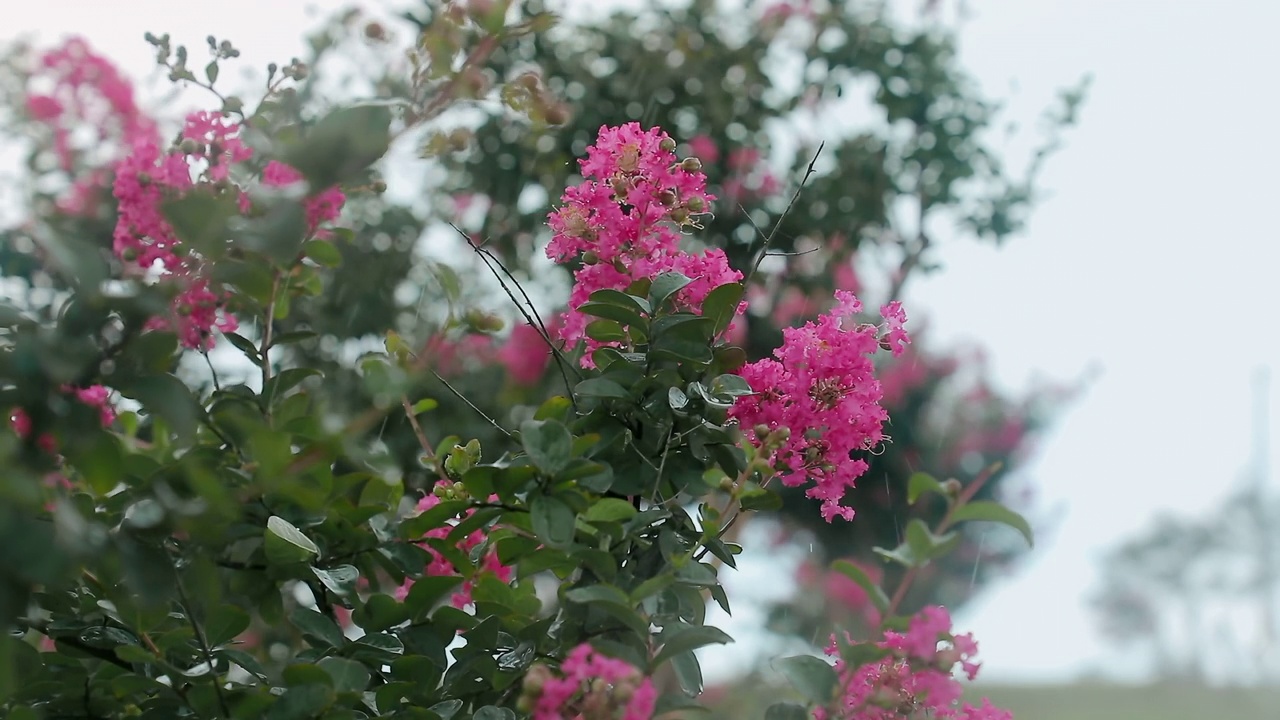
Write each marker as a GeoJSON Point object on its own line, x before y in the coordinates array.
{"type": "Point", "coordinates": [1153, 258]}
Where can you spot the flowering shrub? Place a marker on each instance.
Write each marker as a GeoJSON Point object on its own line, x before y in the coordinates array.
{"type": "Point", "coordinates": [226, 546]}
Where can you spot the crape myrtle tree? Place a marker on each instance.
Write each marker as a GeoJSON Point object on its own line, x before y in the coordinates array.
{"type": "Point", "coordinates": [185, 538]}
{"type": "Point", "coordinates": [752, 90]}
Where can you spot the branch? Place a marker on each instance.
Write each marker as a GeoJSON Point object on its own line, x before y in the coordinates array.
{"type": "Point", "coordinates": [201, 640]}
{"type": "Point", "coordinates": [72, 641]}
{"type": "Point", "coordinates": [472, 405]}
{"type": "Point", "coordinates": [534, 320]}
{"type": "Point", "coordinates": [794, 197]}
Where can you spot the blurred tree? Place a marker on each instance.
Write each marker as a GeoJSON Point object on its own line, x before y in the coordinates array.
{"type": "Point", "coordinates": [754, 89]}
{"type": "Point", "coordinates": [1200, 594]}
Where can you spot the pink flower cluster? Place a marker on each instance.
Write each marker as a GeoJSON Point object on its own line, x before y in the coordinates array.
{"type": "Point", "coordinates": [590, 685]}
{"type": "Point", "coordinates": [624, 221]}
{"type": "Point", "coordinates": [915, 678]}
{"type": "Point", "coordinates": [321, 208]}
{"type": "Point", "coordinates": [74, 89]}
{"type": "Point", "coordinates": [95, 396]}
{"type": "Point", "coordinates": [211, 146]}
{"type": "Point", "coordinates": [525, 354]}
{"type": "Point", "coordinates": [820, 387]}
{"type": "Point", "coordinates": [440, 565]}
{"type": "Point", "coordinates": [840, 596]}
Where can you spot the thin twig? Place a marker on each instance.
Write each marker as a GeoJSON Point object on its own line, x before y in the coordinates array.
{"type": "Point", "coordinates": [794, 198]}
{"type": "Point", "coordinates": [213, 374]}
{"type": "Point", "coordinates": [417, 429]}
{"type": "Point", "coordinates": [267, 324]}
{"type": "Point", "coordinates": [202, 640]}
{"type": "Point", "coordinates": [965, 496]}
{"type": "Point", "coordinates": [472, 405]}
{"type": "Point", "coordinates": [534, 319]}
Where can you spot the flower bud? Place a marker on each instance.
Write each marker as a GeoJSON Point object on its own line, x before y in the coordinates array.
{"type": "Point", "coordinates": [590, 257]}
{"type": "Point", "coordinates": [761, 430]}
{"type": "Point", "coordinates": [667, 145]}
{"type": "Point", "coordinates": [556, 114]}
{"type": "Point", "coordinates": [375, 31]}
{"type": "Point", "coordinates": [726, 484]}
{"type": "Point", "coordinates": [379, 186]}
{"type": "Point", "coordinates": [528, 81]}
{"type": "Point", "coordinates": [695, 204]}
{"type": "Point", "coordinates": [951, 487]}
{"type": "Point", "coordinates": [667, 198]}
{"type": "Point", "coordinates": [691, 164]}
{"type": "Point", "coordinates": [535, 679]}
{"type": "Point", "coordinates": [189, 146]}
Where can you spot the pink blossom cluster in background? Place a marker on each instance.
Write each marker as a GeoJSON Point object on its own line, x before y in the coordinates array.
{"type": "Point", "coordinates": [74, 89]}
{"type": "Point", "coordinates": [94, 396]}
{"type": "Point", "coordinates": [821, 385]}
{"type": "Point", "coordinates": [838, 593]}
{"type": "Point", "coordinates": [624, 222]}
{"type": "Point", "coordinates": [594, 685]}
{"type": "Point", "coordinates": [440, 565]}
{"type": "Point", "coordinates": [915, 678]}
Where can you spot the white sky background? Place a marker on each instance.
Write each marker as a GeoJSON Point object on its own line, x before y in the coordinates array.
{"type": "Point", "coordinates": [1153, 257]}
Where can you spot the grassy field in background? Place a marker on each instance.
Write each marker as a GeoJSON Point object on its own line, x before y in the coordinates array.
{"type": "Point", "coordinates": [1121, 702]}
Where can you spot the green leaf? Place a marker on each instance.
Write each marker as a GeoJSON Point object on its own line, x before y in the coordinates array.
{"type": "Point", "coordinates": [812, 677]}
{"type": "Point", "coordinates": [244, 660]}
{"type": "Point", "coordinates": [786, 711]}
{"type": "Point", "coordinates": [340, 580]}
{"type": "Point", "coordinates": [211, 71]}
{"type": "Point", "coordinates": [348, 675]}
{"type": "Point", "coordinates": [731, 385]}
{"type": "Point", "coordinates": [342, 145]}
{"type": "Point", "coordinates": [322, 252]}
{"type": "Point", "coordinates": [986, 510]}
{"type": "Point", "coordinates": [278, 234]}
{"type": "Point", "coordinates": [600, 388]}
{"type": "Point", "coordinates": [921, 483]}
{"type": "Point", "coordinates": [493, 712]}
{"type": "Point", "coordinates": [666, 285]}
{"type": "Point", "coordinates": [200, 220]}
{"type": "Point", "coordinates": [622, 316]}
{"type": "Point", "coordinates": [676, 398]}
{"type": "Point", "coordinates": [380, 612]}
{"type": "Point", "coordinates": [425, 405]}
{"type": "Point", "coordinates": [721, 305]}
{"type": "Point", "coordinates": [284, 543]}
{"type": "Point", "coordinates": [245, 346]}
{"type": "Point", "coordinates": [609, 510]}
{"type": "Point", "coordinates": [620, 299]}
{"type": "Point", "coordinates": [548, 444]}
{"type": "Point", "coordinates": [760, 499]}
{"type": "Point", "coordinates": [224, 623]}
{"type": "Point", "coordinates": [317, 627]}
{"type": "Point", "coordinates": [924, 545]}
{"type": "Point", "coordinates": [168, 398]}
{"type": "Point", "coordinates": [553, 520]}
{"type": "Point", "coordinates": [303, 702]}
{"type": "Point", "coordinates": [285, 381]}
{"type": "Point", "coordinates": [688, 672]}
{"type": "Point", "coordinates": [686, 638]}
{"type": "Point", "coordinates": [856, 574]}
{"type": "Point", "coordinates": [606, 331]}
